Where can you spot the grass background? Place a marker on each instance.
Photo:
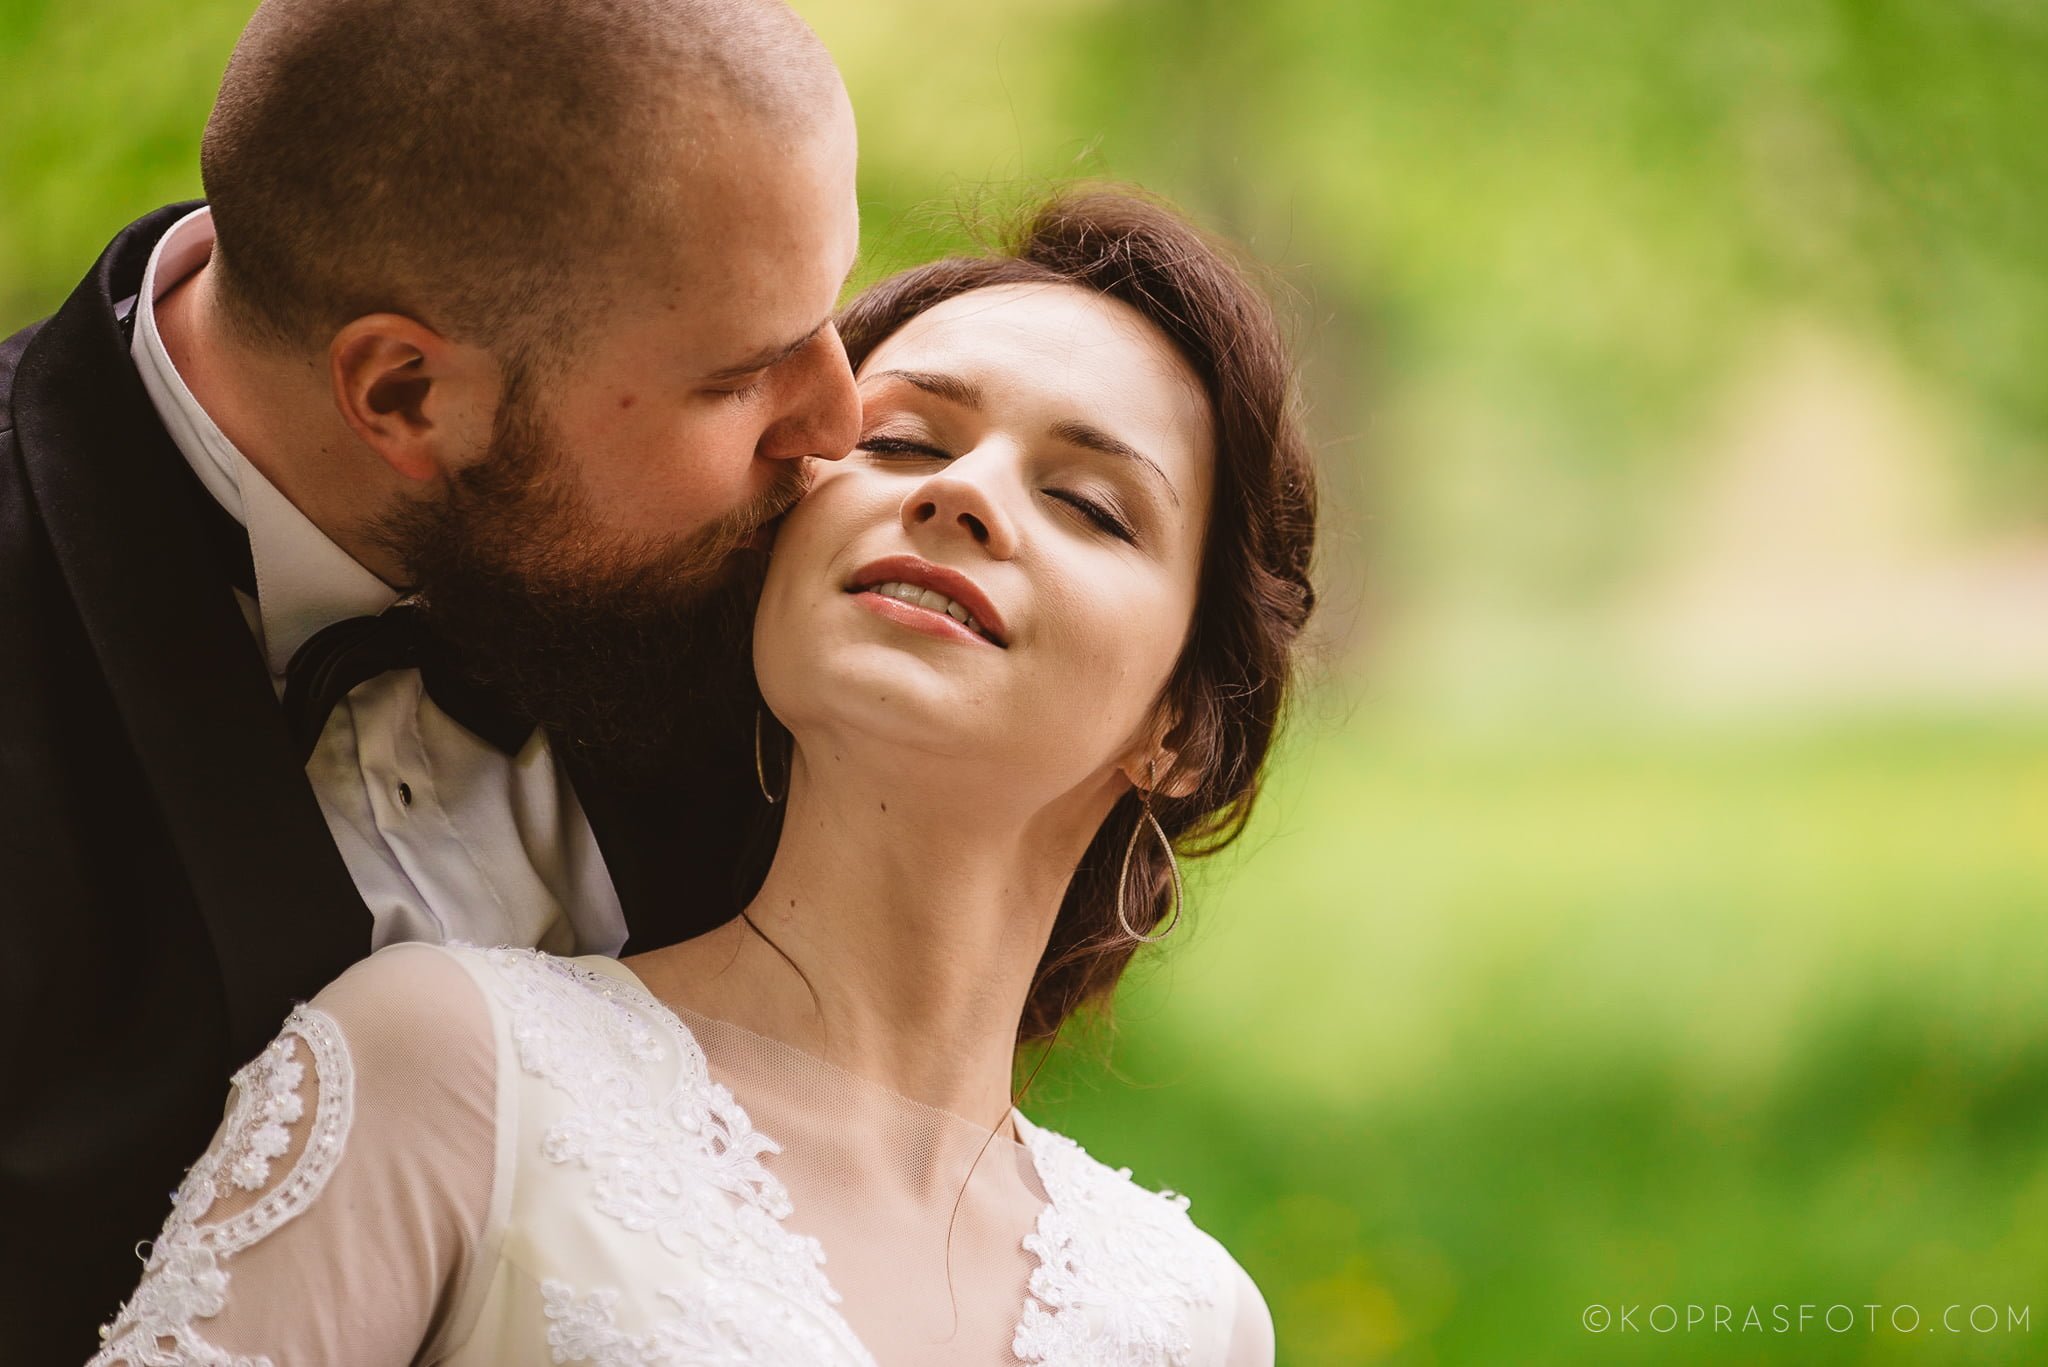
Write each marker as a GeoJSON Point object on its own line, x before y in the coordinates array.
{"type": "Point", "coordinates": [1475, 1035]}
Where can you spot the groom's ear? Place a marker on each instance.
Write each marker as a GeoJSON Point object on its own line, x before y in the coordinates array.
{"type": "Point", "coordinates": [421, 402]}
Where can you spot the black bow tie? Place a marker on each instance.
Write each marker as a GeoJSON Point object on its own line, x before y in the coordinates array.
{"type": "Point", "coordinates": [337, 658]}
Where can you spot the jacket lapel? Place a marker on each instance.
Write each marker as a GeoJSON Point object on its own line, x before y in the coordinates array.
{"type": "Point", "coordinates": [186, 676]}
{"type": "Point", "coordinates": [628, 823]}
{"type": "Point", "coordinates": [685, 852]}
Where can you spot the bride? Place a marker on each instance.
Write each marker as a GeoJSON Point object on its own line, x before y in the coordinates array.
{"type": "Point", "coordinates": [1032, 633]}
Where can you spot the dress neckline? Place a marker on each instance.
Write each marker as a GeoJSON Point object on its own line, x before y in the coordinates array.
{"type": "Point", "coordinates": [1113, 1281]}
{"type": "Point", "coordinates": [1028, 1133]}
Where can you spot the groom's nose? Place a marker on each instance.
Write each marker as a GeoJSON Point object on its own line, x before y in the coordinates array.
{"type": "Point", "coordinates": [822, 413]}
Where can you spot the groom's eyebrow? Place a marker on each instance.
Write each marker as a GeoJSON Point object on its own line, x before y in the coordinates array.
{"type": "Point", "coordinates": [769, 356]}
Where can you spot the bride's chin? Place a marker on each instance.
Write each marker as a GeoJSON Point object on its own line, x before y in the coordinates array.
{"type": "Point", "coordinates": [893, 718]}
{"type": "Point", "coordinates": [870, 721]}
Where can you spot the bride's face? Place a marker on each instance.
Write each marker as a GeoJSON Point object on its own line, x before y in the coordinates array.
{"type": "Point", "coordinates": [1037, 460]}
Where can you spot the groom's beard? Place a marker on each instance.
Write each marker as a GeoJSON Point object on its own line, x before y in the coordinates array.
{"type": "Point", "coordinates": [614, 644]}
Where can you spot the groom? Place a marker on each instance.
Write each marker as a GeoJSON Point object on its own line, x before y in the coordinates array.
{"type": "Point", "coordinates": [352, 522]}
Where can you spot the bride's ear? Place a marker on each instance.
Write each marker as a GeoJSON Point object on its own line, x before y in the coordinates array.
{"type": "Point", "coordinates": [1170, 778]}
{"type": "Point", "coordinates": [1155, 763]}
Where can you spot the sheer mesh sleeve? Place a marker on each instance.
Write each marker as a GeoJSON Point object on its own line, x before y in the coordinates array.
{"type": "Point", "coordinates": [339, 1209]}
{"type": "Point", "coordinates": [1251, 1328]}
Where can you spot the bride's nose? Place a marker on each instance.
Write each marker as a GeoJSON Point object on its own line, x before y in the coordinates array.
{"type": "Point", "coordinates": [955, 502]}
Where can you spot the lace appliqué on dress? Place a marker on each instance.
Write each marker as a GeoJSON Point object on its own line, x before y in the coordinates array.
{"type": "Point", "coordinates": [1121, 1270]}
{"type": "Point", "coordinates": [1120, 1267]}
{"type": "Point", "coordinates": [717, 1324]}
{"type": "Point", "coordinates": [186, 1277]}
{"type": "Point", "coordinates": [684, 1168]}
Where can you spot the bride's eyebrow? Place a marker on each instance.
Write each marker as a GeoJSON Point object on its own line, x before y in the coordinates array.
{"type": "Point", "coordinates": [1090, 438]}
{"type": "Point", "coordinates": [1074, 433]}
{"type": "Point", "coordinates": [949, 387]}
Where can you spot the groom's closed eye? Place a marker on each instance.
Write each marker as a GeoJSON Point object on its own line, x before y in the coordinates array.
{"type": "Point", "coordinates": [756, 366]}
{"type": "Point", "coordinates": [741, 390]}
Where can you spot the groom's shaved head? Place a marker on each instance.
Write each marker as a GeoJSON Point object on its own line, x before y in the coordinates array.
{"type": "Point", "coordinates": [485, 166]}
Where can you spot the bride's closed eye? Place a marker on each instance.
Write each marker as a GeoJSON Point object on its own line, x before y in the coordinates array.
{"type": "Point", "coordinates": [1097, 513]}
{"type": "Point", "coordinates": [1101, 514]}
{"type": "Point", "coordinates": [901, 447]}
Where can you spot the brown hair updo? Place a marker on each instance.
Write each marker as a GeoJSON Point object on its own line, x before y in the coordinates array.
{"type": "Point", "coordinates": [1253, 595]}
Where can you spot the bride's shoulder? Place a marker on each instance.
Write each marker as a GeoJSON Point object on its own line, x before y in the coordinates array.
{"type": "Point", "coordinates": [414, 1008]}
{"type": "Point", "coordinates": [1140, 1238]}
{"type": "Point", "coordinates": [569, 1020]}
{"type": "Point", "coordinates": [1078, 1180]}
{"type": "Point", "coordinates": [437, 994]}
{"type": "Point", "coordinates": [406, 977]}
{"type": "Point", "coordinates": [1081, 1182]}
{"type": "Point", "coordinates": [411, 987]}
{"type": "Point", "coordinates": [537, 988]}
{"type": "Point", "coordinates": [460, 1016]}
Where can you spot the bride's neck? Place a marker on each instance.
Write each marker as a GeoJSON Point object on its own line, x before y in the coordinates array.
{"type": "Point", "coordinates": [917, 920]}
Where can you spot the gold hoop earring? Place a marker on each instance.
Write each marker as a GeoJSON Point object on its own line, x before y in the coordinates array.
{"type": "Point", "coordinates": [760, 771]}
{"type": "Point", "coordinates": [1123, 878]}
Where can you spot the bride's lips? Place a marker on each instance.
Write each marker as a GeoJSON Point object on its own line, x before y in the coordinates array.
{"type": "Point", "coordinates": [923, 574]}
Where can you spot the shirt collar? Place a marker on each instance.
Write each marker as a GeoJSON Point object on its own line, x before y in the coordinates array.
{"type": "Point", "coordinates": [303, 580]}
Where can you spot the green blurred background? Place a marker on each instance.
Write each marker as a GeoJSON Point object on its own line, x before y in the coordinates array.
{"type": "Point", "coordinates": [1648, 906]}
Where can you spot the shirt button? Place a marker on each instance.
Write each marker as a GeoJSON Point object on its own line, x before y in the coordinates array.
{"type": "Point", "coordinates": [405, 795]}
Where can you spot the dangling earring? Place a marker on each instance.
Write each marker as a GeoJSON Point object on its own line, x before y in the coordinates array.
{"type": "Point", "coordinates": [760, 771]}
{"type": "Point", "coordinates": [1123, 878]}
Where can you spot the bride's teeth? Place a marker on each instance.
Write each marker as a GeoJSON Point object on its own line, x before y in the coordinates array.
{"type": "Point", "coordinates": [929, 598]}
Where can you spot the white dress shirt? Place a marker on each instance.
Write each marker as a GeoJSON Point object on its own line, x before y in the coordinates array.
{"type": "Point", "coordinates": [446, 836]}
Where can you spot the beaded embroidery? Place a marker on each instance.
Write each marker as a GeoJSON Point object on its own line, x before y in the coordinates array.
{"type": "Point", "coordinates": [186, 1276]}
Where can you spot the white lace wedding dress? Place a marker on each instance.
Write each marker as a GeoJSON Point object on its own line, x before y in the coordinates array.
{"type": "Point", "coordinates": [496, 1156]}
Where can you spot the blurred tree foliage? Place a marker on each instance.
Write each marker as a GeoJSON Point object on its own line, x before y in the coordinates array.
{"type": "Point", "coordinates": [1615, 193]}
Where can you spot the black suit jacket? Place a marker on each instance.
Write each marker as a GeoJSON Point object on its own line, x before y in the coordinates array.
{"type": "Point", "coordinates": [168, 887]}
